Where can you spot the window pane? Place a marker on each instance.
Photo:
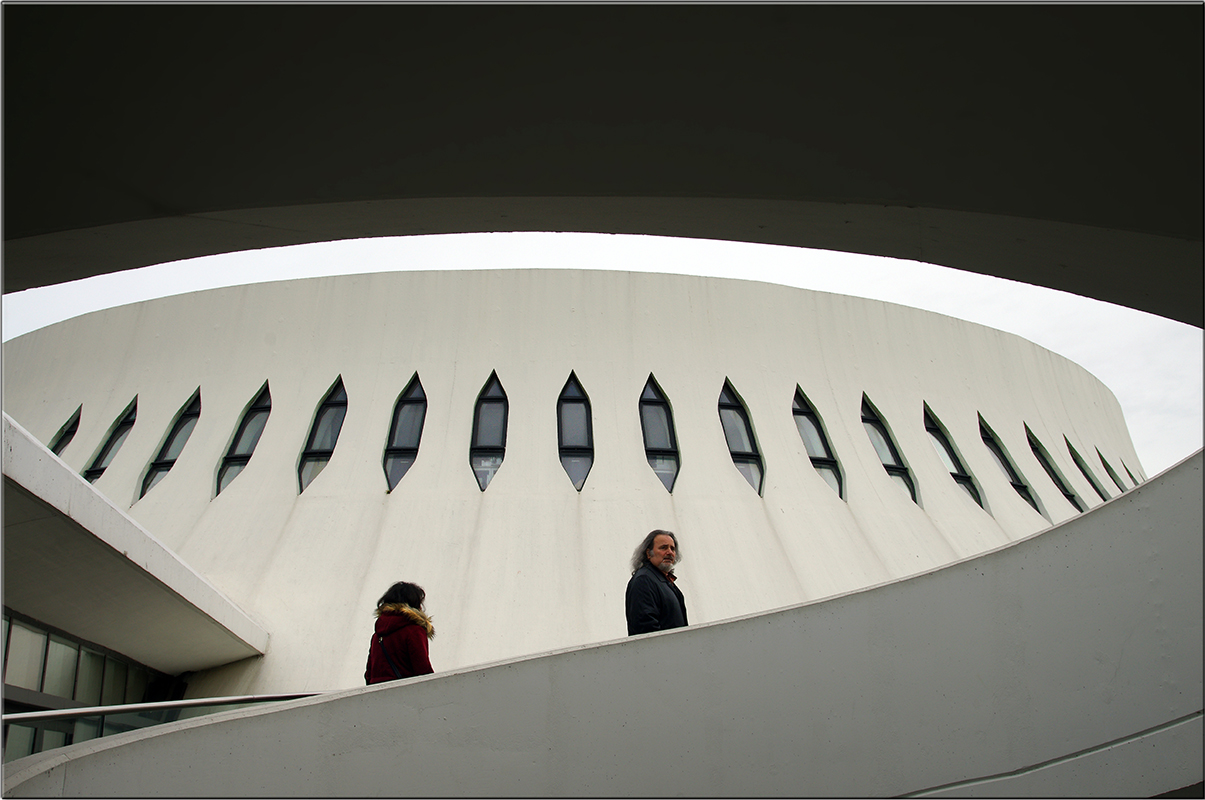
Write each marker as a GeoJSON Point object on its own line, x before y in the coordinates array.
{"type": "Point", "coordinates": [752, 473]}
{"type": "Point", "coordinates": [1001, 463]}
{"type": "Point", "coordinates": [574, 418]}
{"type": "Point", "coordinates": [115, 683]}
{"type": "Point", "coordinates": [87, 685]}
{"type": "Point", "coordinates": [136, 682]}
{"type": "Point", "coordinates": [970, 490]}
{"type": "Point", "coordinates": [577, 467]}
{"type": "Point", "coordinates": [53, 739]}
{"type": "Point", "coordinates": [656, 427]}
{"type": "Point", "coordinates": [26, 647]}
{"type": "Point", "coordinates": [830, 477]}
{"type": "Point", "coordinates": [85, 728]}
{"type": "Point", "coordinates": [902, 482]}
{"type": "Point", "coordinates": [180, 439]}
{"type": "Point", "coordinates": [18, 743]}
{"type": "Point", "coordinates": [879, 440]}
{"type": "Point", "coordinates": [666, 468]}
{"type": "Point", "coordinates": [326, 428]}
{"type": "Point", "coordinates": [484, 468]}
{"type": "Point", "coordinates": [649, 393]}
{"type": "Point", "coordinates": [736, 431]}
{"type": "Point", "coordinates": [250, 435]}
{"type": "Point", "coordinates": [113, 447]}
{"type": "Point", "coordinates": [155, 476]}
{"type": "Point", "coordinates": [490, 419]}
{"type": "Point", "coordinates": [60, 668]}
{"type": "Point", "coordinates": [310, 469]}
{"type": "Point", "coordinates": [408, 424]}
{"type": "Point", "coordinates": [812, 440]}
{"type": "Point", "coordinates": [396, 468]}
{"type": "Point", "coordinates": [494, 390]}
{"type": "Point", "coordinates": [943, 451]}
{"type": "Point", "coordinates": [229, 471]}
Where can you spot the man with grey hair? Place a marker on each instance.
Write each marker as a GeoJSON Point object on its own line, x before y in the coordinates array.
{"type": "Point", "coordinates": [653, 602]}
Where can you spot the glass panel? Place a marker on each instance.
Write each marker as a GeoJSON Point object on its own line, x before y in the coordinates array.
{"type": "Point", "coordinates": [574, 419]}
{"type": "Point", "coordinates": [338, 395]}
{"type": "Point", "coordinates": [577, 467]}
{"type": "Point", "coordinates": [26, 648]}
{"type": "Point", "coordinates": [87, 685]}
{"type": "Point", "coordinates": [4, 640]}
{"type": "Point", "coordinates": [484, 468]}
{"type": "Point", "coordinates": [396, 468]}
{"type": "Point", "coordinates": [136, 682]}
{"type": "Point", "coordinates": [726, 396]}
{"type": "Point", "coordinates": [1028, 497]}
{"type": "Point", "coordinates": [572, 390]}
{"type": "Point", "coordinates": [180, 439]}
{"type": "Point", "coordinates": [666, 468]}
{"type": "Point", "coordinates": [408, 425]}
{"type": "Point", "coordinates": [494, 389]}
{"type": "Point", "coordinates": [736, 431]}
{"type": "Point", "coordinates": [61, 659]}
{"type": "Point", "coordinates": [879, 439]}
{"type": "Point", "coordinates": [416, 392]}
{"type": "Point", "coordinates": [229, 471]}
{"type": "Point", "coordinates": [752, 473]}
{"type": "Point", "coordinates": [947, 458]}
{"type": "Point", "coordinates": [113, 446]}
{"type": "Point", "coordinates": [310, 469]}
{"type": "Point", "coordinates": [902, 482]}
{"type": "Point", "coordinates": [19, 742]}
{"type": "Point", "coordinates": [656, 427]}
{"type": "Point", "coordinates": [1000, 462]}
{"type": "Point", "coordinates": [115, 683]}
{"type": "Point", "coordinates": [249, 437]}
{"type": "Point", "coordinates": [812, 440]}
{"type": "Point", "coordinates": [490, 419]}
{"type": "Point", "coordinates": [830, 477]}
{"type": "Point", "coordinates": [326, 427]}
{"type": "Point", "coordinates": [156, 475]}
{"type": "Point", "coordinates": [649, 393]}
{"type": "Point", "coordinates": [970, 490]}
{"type": "Point", "coordinates": [53, 739]}
{"type": "Point", "coordinates": [85, 728]}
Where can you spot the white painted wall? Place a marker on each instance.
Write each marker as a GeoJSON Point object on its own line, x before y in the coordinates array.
{"type": "Point", "coordinates": [531, 564]}
{"type": "Point", "coordinates": [1068, 663]}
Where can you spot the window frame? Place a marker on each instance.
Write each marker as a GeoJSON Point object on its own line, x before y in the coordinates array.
{"type": "Point", "coordinates": [739, 457]}
{"type": "Point", "coordinates": [871, 416]}
{"type": "Point", "coordinates": [659, 400]}
{"type": "Point", "coordinates": [963, 477]}
{"type": "Point", "coordinates": [406, 398]}
{"type": "Point", "coordinates": [119, 431]}
{"type": "Point", "coordinates": [161, 464]}
{"type": "Point", "coordinates": [311, 454]}
{"type": "Point", "coordinates": [262, 401]}
{"type": "Point", "coordinates": [1113, 476]}
{"type": "Point", "coordinates": [992, 442]}
{"type": "Point", "coordinates": [1040, 453]}
{"type": "Point", "coordinates": [1083, 468]}
{"type": "Point", "coordinates": [489, 450]}
{"type": "Point", "coordinates": [67, 432]}
{"type": "Point", "coordinates": [575, 451]}
{"type": "Point", "coordinates": [802, 407]}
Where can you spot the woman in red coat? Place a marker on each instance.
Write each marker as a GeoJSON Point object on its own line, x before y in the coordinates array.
{"type": "Point", "coordinates": [398, 648]}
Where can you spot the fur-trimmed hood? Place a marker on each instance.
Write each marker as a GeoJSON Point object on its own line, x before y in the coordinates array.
{"type": "Point", "coordinates": [392, 616]}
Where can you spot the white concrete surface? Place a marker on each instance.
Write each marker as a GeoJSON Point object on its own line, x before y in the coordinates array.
{"type": "Point", "coordinates": [75, 561]}
{"type": "Point", "coordinates": [1066, 663]}
{"type": "Point", "coordinates": [531, 564]}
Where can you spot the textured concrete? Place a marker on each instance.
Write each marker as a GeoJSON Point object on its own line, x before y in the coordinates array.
{"type": "Point", "coordinates": [1067, 663]}
{"type": "Point", "coordinates": [531, 564]}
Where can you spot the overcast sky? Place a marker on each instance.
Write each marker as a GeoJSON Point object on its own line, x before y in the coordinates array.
{"type": "Point", "coordinates": [1152, 365]}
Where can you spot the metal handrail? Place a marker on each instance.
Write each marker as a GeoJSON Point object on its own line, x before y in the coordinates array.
{"type": "Point", "coordinates": [130, 708]}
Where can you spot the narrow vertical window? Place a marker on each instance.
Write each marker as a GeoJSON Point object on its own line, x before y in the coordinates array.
{"type": "Point", "coordinates": [575, 432]}
{"type": "Point", "coordinates": [324, 433]}
{"type": "Point", "coordinates": [1043, 459]}
{"type": "Point", "coordinates": [994, 447]}
{"type": "Point", "coordinates": [1109, 469]}
{"type": "Point", "coordinates": [401, 449]}
{"type": "Point", "coordinates": [66, 433]}
{"type": "Point", "coordinates": [245, 438]}
{"type": "Point", "coordinates": [657, 426]}
{"type": "Point", "coordinates": [945, 451]}
{"type": "Point", "coordinates": [174, 443]}
{"type": "Point", "coordinates": [812, 432]}
{"type": "Point", "coordinates": [117, 437]}
{"type": "Point", "coordinates": [488, 445]}
{"type": "Point", "coordinates": [739, 433]}
{"type": "Point", "coordinates": [1133, 480]}
{"type": "Point", "coordinates": [885, 448]}
{"type": "Point", "coordinates": [1083, 467]}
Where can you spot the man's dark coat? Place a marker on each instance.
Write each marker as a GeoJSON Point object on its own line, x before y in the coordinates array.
{"type": "Point", "coordinates": [653, 602]}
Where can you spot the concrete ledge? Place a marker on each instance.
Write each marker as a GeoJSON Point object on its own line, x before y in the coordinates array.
{"type": "Point", "coordinates": [66, 544]}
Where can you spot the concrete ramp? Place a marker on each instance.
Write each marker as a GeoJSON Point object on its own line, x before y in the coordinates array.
{"type": "Point", "coordinates": [1069, 663]}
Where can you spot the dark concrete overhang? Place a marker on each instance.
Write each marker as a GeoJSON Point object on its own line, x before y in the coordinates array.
{"type": "Point", "coordinates": [74, 561]}
{"type": "Point", "coordinates": [1056, 145]}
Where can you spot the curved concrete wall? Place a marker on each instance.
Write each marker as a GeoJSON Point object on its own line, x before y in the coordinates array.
{"type": "Point", "coordinates": [1066, 664]}
{"type": "Point", "coordinates": [531, 564]}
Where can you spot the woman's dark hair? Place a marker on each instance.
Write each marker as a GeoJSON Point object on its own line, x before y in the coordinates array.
{"type": "Point", "coordinates": [401, 592]}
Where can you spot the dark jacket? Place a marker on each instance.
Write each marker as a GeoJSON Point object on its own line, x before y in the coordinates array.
{"type": "Point", "coordinates": [405, 633]}
{"type": "Point", "coordinates": [653, 602]}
